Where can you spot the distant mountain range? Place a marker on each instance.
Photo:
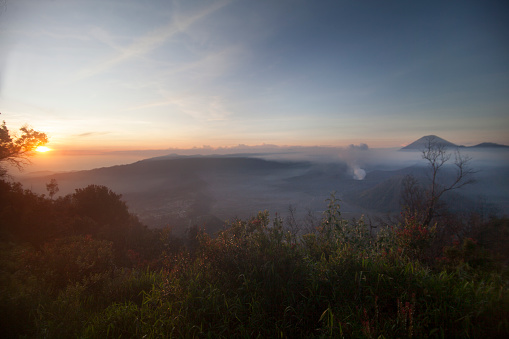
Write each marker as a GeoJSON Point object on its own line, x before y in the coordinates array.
{"type": "Point", "coordinates": [488, 145]}
{"type": "Point", "coordinates": [181, 191]}
{"type": "Point", "coordinates": [420, 143]}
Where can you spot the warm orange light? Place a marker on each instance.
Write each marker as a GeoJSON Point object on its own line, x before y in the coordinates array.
{"type": "Point", "coordinates": [42, 149]}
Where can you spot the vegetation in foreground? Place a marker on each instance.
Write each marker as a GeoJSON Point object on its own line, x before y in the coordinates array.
{"type": "Point", "coordinates": [82, 266]}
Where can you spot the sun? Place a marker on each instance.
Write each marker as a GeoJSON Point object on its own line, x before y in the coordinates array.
{"type": "Point", "coordinates": [42, 149]}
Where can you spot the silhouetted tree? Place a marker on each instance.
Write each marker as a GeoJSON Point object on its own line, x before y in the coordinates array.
{"type": "Point", "coordinates": [52, 188]}
{"type": "Point", "coordinates": [102, 206]}
{"type": "Point", "coordinates": [96, 210]}
{"type": "Point", "coordinates": [423, 202]}
{"type": "Point", "coordinates": [26, 216]}
{"type": "Point", "coordinates": [16, 150]}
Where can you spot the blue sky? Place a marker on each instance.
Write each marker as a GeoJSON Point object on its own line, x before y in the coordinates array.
{"type": "Point", "coordinates": [139, 74]}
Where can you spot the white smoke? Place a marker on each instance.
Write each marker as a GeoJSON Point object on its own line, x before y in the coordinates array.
{"type": "Point", "coordinates": [358, 173]}
{"type": "Point", "coordinates": [355, 156]}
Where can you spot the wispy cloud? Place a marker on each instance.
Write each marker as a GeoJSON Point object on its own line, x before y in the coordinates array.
{"type": "Point", "coordinates": [90, 134]}
{"type": "Point", "coordinates": [202, 108]}
{"type": "Point", "coordinates": [59, 34]}
{"type": "Point", "coordinates": [147, 43]}
{"type": "Point", "coordinates": [213, 64]}
{"type": "Point", "coordinates": [209, 67]}
{"type": "Point", "coordinates": [103, 36]}
{"type": "Point", "coordinates": [208, 108]}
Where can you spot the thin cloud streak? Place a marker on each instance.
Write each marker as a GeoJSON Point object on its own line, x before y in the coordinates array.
{"type": "Point", "coordinates": [210, 66]}
{"type": "Point", "coordinates": [149, 42]}
{"type": "Point", "coordinates": [90, 134]}
{"type": "Point", "coordinates": [201, 108]}
{"type": "Point", "coordinates": [55, 34]}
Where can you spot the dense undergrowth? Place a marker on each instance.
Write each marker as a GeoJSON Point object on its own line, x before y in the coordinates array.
{"type": "Point", "coordinates": [253, 279]}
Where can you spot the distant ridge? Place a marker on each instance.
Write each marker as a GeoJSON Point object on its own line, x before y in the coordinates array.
{"type": "Point", "coordinates": [489, 145]}
{"type": "Point", "coordinates": [419, 144]}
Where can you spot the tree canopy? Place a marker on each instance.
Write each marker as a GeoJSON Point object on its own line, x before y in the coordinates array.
{"type": "Point", "coordinates": [16, 149]}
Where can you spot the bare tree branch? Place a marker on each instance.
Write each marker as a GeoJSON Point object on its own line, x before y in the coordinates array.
{"type": "Point", "coordinates": [437, 156]}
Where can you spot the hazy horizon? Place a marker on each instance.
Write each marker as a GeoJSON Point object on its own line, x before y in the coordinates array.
{"type": "Point", "coordinates": [228, 184]}
{"type": "Point", "coordinates": [357, 155]}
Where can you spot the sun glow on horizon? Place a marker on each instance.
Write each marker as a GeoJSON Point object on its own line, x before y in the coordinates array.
{"type": "Point", "coordinates": [42, 149]}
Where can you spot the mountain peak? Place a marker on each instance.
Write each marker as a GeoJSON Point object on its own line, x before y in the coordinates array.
{"type": "Point", "coordinates": [420, 143]}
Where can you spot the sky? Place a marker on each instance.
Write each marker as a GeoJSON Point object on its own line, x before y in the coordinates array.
{"type": "Point", "coordinates": [137, 74]}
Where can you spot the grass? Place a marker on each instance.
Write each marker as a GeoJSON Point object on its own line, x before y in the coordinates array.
{"type": "Point", "coordinates": [255, 279]}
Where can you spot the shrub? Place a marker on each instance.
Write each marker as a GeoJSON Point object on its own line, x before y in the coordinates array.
{"type": "Point", "coordinates": [413, 238]}
{"type": "Point", "coordinates": [70, 260]}
{"type": "Point", "coordinates": [256, 279]}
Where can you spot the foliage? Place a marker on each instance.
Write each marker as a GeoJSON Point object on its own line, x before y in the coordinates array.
{"type": "Point", "coordinates": [413, 237]}
{"type": "Point", "coordinates": [70, 260]}
{"type": "Point", "coordinates": [255, 278]}
{"type": "Point", "coordinates": [16, 150]}
{"type": "Point", "coordinates": [52, 188]}
{"type": "Point", "coordinates": [25, 216]}
{"type": "Point", "coordinates": [93, 210]}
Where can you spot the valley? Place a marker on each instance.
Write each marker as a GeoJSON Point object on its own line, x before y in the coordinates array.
{"type": "Point", "coordinates": [181, 191]}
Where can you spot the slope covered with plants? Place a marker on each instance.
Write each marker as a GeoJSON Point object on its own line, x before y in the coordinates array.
{"type": "Point", "coordinates": [83, 266]}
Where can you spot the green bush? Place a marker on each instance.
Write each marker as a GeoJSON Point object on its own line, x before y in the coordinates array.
{"type": "Point", "coordinates": [257, 279]}
{"type": "Point", "coordinates": [70, 260]}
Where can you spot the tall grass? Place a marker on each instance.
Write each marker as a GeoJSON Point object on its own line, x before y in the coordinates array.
{"type": "Point", "coordinates": [256, 279]}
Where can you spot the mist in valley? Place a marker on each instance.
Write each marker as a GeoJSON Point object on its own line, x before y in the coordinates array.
{"type": "Point", "coordinates": [206, 189]}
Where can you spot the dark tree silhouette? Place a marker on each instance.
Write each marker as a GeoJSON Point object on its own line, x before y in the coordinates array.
{"type": "Point", "coordinates": [424, 201]}
{"type": "Point", "coordinates": [16, 150]}
{"type": "Point", "coordinates": [100, 212]}
{"type": "Point", "coordinates": [52, 188]}
{"type": "Point", "coordinates": [25, 216]}
{"type": "Point", "coordinates": [100, 204]}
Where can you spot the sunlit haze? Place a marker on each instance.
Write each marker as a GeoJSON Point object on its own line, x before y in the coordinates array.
{"type": "Point", "coordinates": [154, 75]}
{"type": "Point", "coordinates": [42, 149]}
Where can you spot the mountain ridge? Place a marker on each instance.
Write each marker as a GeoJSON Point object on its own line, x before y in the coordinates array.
{"type": "Point", "coordinates": [419, 144]}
